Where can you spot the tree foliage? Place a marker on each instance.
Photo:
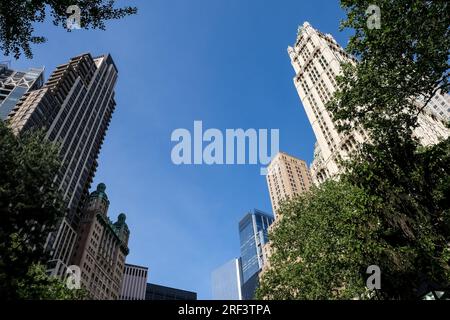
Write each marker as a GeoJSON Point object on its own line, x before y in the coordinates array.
{"type": "Point", "coordinates": [30, 204]}
{"type": "Point", "coordinates": [405, 58]}
{"type": "Point", "coordinates": [37, 285]}
{"type": "Point", "coordinates": [327, 238]}
{"type": "Point", "coordinates": [18, 19]}
{"type": "Point", "coordinates": [322, 245]}
{"type": "Point", "coordinates": [391, 207]}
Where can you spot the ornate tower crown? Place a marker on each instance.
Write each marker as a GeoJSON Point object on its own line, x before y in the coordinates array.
{"type": "Point", "coordinates": [301, 28]}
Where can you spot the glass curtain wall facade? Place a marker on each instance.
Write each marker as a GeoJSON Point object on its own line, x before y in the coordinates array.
{"type": "Point", "coordinates": [227, 281]}
{"type": "Point", "coordinates": [14, 84]}
{"type": "Point", "coordinates": [157, 292]}
{"type": "Point", "coordinates": [253, 234]}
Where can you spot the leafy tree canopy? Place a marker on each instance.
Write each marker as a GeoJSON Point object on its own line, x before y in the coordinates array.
{"type": "Point", "coordinates": [328, 237]}
{"type": "Point", "coordinates": [18, 18]}
{"type": "Point", "coordinates": [37, 285]}
{"type": "Point", "coordinates": [322, 245]}
{"type": "Point", "coordinates": [30, 204]}
{"type": "Point", "coordinates": [406, 57]}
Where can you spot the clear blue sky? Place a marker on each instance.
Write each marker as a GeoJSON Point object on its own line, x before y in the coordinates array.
{"type": "Point", "coordinates": [220, 61]}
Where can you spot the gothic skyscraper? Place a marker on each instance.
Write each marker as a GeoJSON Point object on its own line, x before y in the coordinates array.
{"type": "Point", "coordinates": [316, 59]}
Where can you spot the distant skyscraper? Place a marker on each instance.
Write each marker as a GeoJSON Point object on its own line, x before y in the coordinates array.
{"type": "Point", "coordinates": [316, 59]}
{"type": "Point", "coordinates": [227, 281]}
{"type": "Point", "coordinates": [286, 177]}
{"type": "Point", "coordinates": [75, 107]}
{"type": "Point", "coordinates": [14, 84]}
{"type": "Point", "coordinates": [157, 292]}
{"type": "Point", "coordinates": [134, 282]}
{"type": "Point", "coordinates": [253, 234]}
{"type": "Point", "coordinates": [101, 248]}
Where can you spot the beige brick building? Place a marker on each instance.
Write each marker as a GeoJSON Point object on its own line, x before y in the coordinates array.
{"type": "Point", "coordinates": [101, 248]}
{"type": "Point", "coordinates": [286, 177]}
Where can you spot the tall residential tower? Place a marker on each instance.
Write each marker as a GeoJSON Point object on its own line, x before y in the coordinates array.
{"type": "Point", "coordinates": [75, 107]}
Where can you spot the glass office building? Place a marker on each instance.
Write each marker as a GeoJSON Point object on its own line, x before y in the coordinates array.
{"type": "Point", "coordinates": [227, 281]}
{"type": "Point", "coordinates": [157, 292]}
{"type": "Point", "coordinates": [249, 287]}
{"type": "Point", "coordinates": [253, 233]}
{"type": "Point", "coordinates": [14, 84]}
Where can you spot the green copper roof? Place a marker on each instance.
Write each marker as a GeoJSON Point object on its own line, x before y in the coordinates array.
{"type": "Point", "coordinates": [121, 218]}
{"type": "Point", "coordinates": [115, 230]}
{"type": "Point", "coordinates": [120, 223]}
{"type": "Point", "coordinates": [100, 192]}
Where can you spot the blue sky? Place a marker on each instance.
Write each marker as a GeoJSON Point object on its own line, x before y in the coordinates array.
{"type": "Point", "coordinates": [223, 62]}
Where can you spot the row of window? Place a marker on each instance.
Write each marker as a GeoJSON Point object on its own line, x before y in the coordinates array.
{"type": "Point", "coordinates": [136, 272]}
